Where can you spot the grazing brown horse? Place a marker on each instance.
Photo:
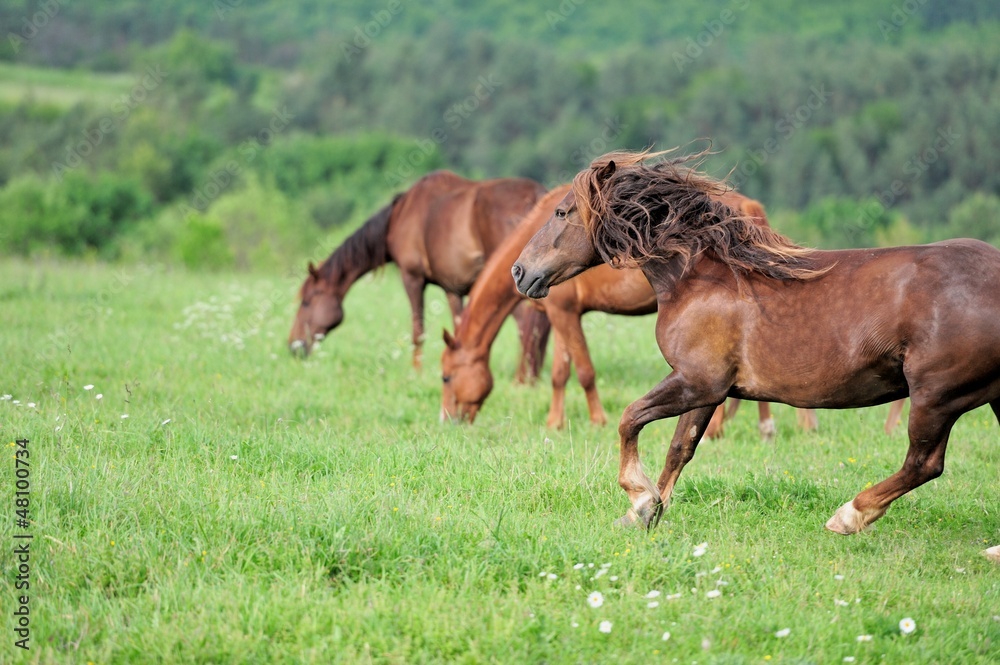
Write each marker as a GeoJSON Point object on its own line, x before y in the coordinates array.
{"type": "Point", "coordinates": [440, 231]}
{"type": "Point", "coordinates": [744, 312]}
{"type": "Point", "coordinates": [465, 362]}
{"type": "Point", "coordinates": [465, 370]}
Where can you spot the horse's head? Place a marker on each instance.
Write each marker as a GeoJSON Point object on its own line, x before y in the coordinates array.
{"type": "Point", "coordinates": [319, 312]}
{"type": "Point", "coordinates": [560, 250]}
{"type": "Point", "coordinates": [466, 381]}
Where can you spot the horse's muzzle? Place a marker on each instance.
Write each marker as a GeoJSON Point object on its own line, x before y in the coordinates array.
{"type": "Point", "coordinates": [533, 286]}
{"type": "Point", "coordinates": [298, 348]}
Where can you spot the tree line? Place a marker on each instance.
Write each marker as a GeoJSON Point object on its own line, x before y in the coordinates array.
{"type": "Point", "coordinates": [859, 127]}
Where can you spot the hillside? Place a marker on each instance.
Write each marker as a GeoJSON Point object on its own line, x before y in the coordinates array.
{"type": "Point", "coordinates": [856, 123]}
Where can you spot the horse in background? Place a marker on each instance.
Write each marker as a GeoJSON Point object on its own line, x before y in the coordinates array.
{"type": "Point", "coordinates": [744, 312]}
{"type": "Point", "coordinates": [441, 231]}
{"type": "Point", "coordinates": [465, 370]}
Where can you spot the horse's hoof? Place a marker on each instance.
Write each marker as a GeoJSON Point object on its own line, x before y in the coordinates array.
{"type": "Point", "coordinates": [993, 553]}
{"type": "Point", "coordinates": [767, 429]}
{"type": "Point", "coordinates": [846, 520]}
{"type": "Point", "coordinates": [654, 519]}
{"type": "Point", "coordinates": [647, 514]}
{"type": "Point", "coordinates": [627, 520]}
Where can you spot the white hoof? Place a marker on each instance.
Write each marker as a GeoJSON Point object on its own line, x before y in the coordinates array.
{"type": "Point", "coordinates": [846, 520]}
{"type": "Point", "coordinates": [993, 553]}
{"type": "Point", "coordinates": [767, 428]}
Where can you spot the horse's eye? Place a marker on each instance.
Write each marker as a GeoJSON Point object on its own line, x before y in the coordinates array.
{"type": "Point", "coordinates": [445, 379]}
{"type": "Point", "coordinates": [560, 213]}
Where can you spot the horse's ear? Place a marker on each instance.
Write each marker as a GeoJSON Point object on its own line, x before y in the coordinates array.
{"type": "Point", "coordinates": [313, 271]}
{"type": "Point", "coordinates": [606, 171]}
{"type": "Point", "coordinates": [449, 340]}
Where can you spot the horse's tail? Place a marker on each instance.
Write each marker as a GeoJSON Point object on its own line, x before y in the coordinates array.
{"type": "Point", "coordinates": [533, 327]}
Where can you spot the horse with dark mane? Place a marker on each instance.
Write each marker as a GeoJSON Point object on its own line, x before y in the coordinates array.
{"type": "Point", "coordinates": [440, 231]}
{"type": "Point", "coordinates": [744, 312]}
{"type": "Point", "coordinates": [465, 362]}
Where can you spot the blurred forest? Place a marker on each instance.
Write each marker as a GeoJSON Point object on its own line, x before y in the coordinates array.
{"type": "Point", "coordinates": [255, 134]}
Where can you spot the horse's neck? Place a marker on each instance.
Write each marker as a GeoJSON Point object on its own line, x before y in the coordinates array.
{"type": "Point", "coordinates": [664, 274]}
{"type": "Point", "coordinates": [491, 301]}
{"type": "Point", "coordinates": [341, 277]}
{"type": "Point", "coordinates": [363, 251]}
{"type": "Point", "coordinates": [494, 295]}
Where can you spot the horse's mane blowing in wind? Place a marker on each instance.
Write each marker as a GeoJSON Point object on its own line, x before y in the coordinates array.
{"type": "Point", "coordinates": [635, 211]}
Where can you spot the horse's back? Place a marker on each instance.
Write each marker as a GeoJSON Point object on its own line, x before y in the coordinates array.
{"type": "Point", "coordinates": [879, 315]}
{"type": "Point", "coordinates": [499, 207]}
{"type": "Point", "coordinates": [446, 226]}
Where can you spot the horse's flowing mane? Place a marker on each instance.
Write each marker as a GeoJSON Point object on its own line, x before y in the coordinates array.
{"type": "Point", "coordinates": [364, 250]}
{"type": "Point", "coordinates": [635, 211]}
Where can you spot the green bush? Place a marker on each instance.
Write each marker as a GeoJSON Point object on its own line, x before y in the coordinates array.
{"type": "Point", "coordinates": [263, 228]}
{"type": "Point", "coordinates": [845, 222]}
{"type": "Point", "coordinates": [201, 244]}
{"type": "Point", "coordinates": [77, 215]}
{"type": "Point", "coordinates": [978, 216]}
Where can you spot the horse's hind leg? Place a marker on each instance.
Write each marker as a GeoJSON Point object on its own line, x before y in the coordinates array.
{"type": "Point", "coordinates": [717, 423]}
{"type": "Point", "coordinates": [895, 414]}
{"type": "Point", "coordinates": [560, 375]}
{"type": "Point", "coordinates": [807, 419]}
{"type": "Point", "coordinates": [995, 405]}
{"type": "Point", "coordinates": [929, 428]}
{"type": "Point", "coordinates": [765, 421]}
{"type": "Point", "coordinates": [570, 325]}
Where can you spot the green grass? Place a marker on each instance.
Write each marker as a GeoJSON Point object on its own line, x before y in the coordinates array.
{"type": "Point", "coordinates": [352, 527]}
{"type": "Point", "coordinates": [61, 87]}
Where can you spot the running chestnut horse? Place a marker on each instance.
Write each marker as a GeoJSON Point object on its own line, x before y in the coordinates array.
{"type": "Point", "coordinates": [440, 231]}
{"type": "Point", "coordinates": [744, 312]}
{"type": "Point", "coordinates": [465, 362]}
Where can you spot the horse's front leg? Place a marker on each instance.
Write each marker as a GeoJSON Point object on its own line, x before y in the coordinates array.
{"type": "Point", "coordinates": [414, 285]}
{"type": "Point", "coordinates": [456, 306]}
{"type": "Point", "coordinates": [671, 397]}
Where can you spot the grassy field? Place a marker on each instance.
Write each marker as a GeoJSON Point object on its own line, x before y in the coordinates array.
{"type": "Point", "coordinates": [255, 509]}
{"type": "Point", "coordinates": [60, 87]}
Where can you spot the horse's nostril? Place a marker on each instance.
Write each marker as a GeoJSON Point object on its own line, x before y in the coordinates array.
{"type": "Point", "coordinates": [517, 272]}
